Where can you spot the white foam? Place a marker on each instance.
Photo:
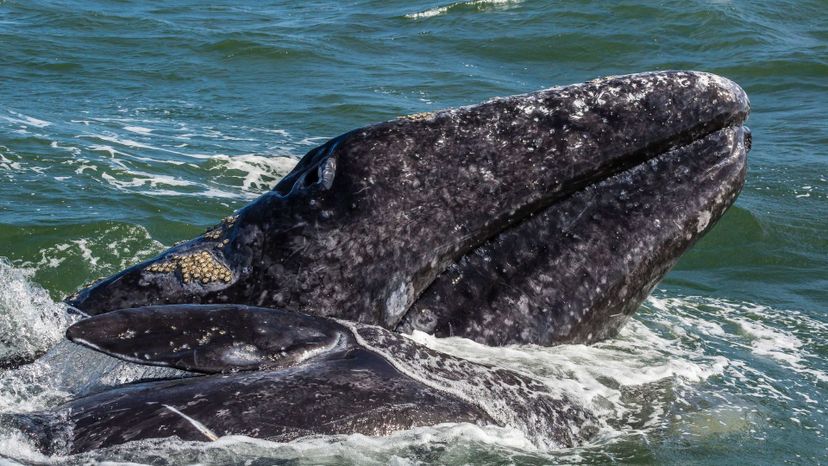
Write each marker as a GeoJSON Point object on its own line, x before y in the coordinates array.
{"type": "Point", "coordinates": [9, 165]}
{"type": "Point", "coordinates": [597, 376]}
{"type": "Point", "coordinates": [145, 179]}
{"type": "Point", "coordinates": [17, 446]}
{"type": "Point", "coordinates": [443, 443]}
{"type": "Point", "coordinates": [108, 149]}
{"type": "Point", "coordinates": [480, 4]}
{"type": "Point", "coordinates": [773, 343]}
{"type": "Point", "coordinates": [108, 249]}
{"type": "Point", "coordinates": [130, 143]}
{"type": "Point", "coordinates": [260, 172]}
{"type": "Point", "coordinates": [431, 12]}
{"type": "Point", "coordinates": [764, 331]}
{"type": "Point", "coordinates": [26, 120]}
{"type": "Point", "coordinates": [30, 322]}
{"type": "Point", "coordinates": [255, 173]}
{"type": "Point", "coordinates": [126, 142]}
{"type": "Point", "coordinates": [138, 129]}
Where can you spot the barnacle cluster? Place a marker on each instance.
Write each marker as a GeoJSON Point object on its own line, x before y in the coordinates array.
{"type": "Point", "coordinates": [162, 267]}
{"type": "Point", "coordinates": [201, 266]}
{"type": "Point", "coordinates": [215, 232]}
{"type": "Point", "coordinates": [198, 267]}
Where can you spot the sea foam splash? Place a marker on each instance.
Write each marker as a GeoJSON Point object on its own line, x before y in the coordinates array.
{"type": "Point", "coordinates": [30, 322]}
{"type": "Point", "coordinates": [476, 5]}
{"type": "Point", "coordinates": [154, 157]}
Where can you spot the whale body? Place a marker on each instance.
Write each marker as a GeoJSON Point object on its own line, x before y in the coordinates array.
{"type": "Point", "coordinates": [554, 212]}
{"type": "Point", "coordinates": [281, 375]}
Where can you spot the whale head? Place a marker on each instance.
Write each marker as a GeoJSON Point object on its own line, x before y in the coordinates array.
{"type": "Point", "coordinates": [556, 211]}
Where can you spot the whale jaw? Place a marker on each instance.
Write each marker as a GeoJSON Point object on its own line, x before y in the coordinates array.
{"type": "Point", "coordinates": [578, 269]}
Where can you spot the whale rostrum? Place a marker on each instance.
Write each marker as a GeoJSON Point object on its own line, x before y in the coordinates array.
{"type": "Point", "coordinates": [552, 213]}
{"type": "Point", "coordinates": [575, 272]}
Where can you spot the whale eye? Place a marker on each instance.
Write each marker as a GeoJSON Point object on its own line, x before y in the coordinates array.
{"type": "Point", "coordinates": [327, 171]}
{"type": "Point", "coordinates": [323, 172]}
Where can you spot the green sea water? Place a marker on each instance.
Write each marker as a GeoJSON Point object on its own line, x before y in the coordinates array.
{"type": "Point", "coordinates": [126, 126]}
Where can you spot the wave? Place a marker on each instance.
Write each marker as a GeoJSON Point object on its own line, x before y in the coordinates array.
{"type": "Point", "coordinates": [471, 5]}
{"type": "Point", "coordinates": [30, 322]}
{"type": "Point", "coordinates": [100, 248]}
{"type": "Point", "coordinates": [269, 48]}
{"type": "Point", "coordinates": [243, 176]}
{"type": "Point", "coordinates": [258, 173]}
{"type": "Point", "coordinates": [24, 120]}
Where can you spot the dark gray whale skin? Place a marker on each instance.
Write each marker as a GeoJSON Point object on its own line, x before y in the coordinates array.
{"type": "Point", "coordinates": [365, 223]}
{"type": "Point", "coordinates": [282, 375]}
{"type": "Point", "coordinates": [576, 271]}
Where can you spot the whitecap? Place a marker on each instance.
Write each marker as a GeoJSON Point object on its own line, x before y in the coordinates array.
{"type": "Point", "coordinates": [138, 130]}
{"type": "Point", "coordinates": [26, 120]}
{"type": "Point", "coordinates": [479, 4]}
{"type": "Point", "coordinates": [30, 322]}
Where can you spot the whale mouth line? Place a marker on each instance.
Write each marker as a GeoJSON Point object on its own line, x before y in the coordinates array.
{"type": "Point", "coordinates": [633, 160]}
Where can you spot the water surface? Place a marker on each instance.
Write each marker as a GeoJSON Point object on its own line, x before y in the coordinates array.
{"type": "Point", "coordinates": [126, 126]}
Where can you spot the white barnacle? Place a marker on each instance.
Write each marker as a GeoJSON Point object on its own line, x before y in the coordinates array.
{"type": "Point", "coordinates": [397, 301]}
{"type": "Point", "coordinates": [241, 354]}
{"type": "Point", "coordinates": [704, 220]}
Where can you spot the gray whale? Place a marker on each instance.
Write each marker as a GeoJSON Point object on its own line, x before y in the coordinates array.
{"type": "Point", "coordinates": [281, 375]}
{"type": "Point", "coordinates": [543, 218]}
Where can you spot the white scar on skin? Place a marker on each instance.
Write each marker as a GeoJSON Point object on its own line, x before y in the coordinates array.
{"type": "Point", "coordinates": [125, 357]}
{"type": "Point", "coordinates": [199, 426]}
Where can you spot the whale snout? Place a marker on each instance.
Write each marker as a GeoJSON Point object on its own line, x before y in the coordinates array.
{"type": "Point", "coordinates": [575, 269]}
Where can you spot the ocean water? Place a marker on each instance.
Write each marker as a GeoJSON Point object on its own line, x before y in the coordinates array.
{"type": "Point", "coordinates": [126, 126]}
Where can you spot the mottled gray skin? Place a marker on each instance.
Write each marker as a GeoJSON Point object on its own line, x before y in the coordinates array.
{"type": "Point", "coordinates": [576, 271]}
{"type": "Point", "coordinates": [281, 375]}
{"type": "Point", "coordinates": [365, 223]}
